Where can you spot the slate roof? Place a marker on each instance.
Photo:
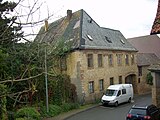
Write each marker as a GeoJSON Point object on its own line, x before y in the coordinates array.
{"type": "Point", "coordinates": [144, 59]}
{"type": "Point", "coordinates": [147, 44]}
{"type": "Point", "coordinates": [84, 33]}
{"type": "Point", "coordinates": [154, 68]}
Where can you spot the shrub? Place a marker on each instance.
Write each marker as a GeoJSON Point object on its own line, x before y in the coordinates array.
{"type": "Point", "coordinates": [53, 110]}
{"type": "Point", "coordinates": [69, 106]}
{"type": "Point", "coordinates": [27, 113]}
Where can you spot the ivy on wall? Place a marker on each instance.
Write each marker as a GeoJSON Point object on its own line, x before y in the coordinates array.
{"type": "Point", "coordinates": [149, 79]}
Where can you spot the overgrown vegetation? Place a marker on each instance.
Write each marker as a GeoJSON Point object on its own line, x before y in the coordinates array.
{"type": "Point", "coordinates": [149, 79]}
{"type": "Point", "coordinates": [22, 73]}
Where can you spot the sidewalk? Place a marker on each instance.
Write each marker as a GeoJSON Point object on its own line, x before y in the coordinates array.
{"type": "Point", "coordinates": [63, 116]}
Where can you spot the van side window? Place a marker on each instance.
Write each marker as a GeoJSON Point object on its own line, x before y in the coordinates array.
{"type": "Point", "coordinates": [119, 93]}
{"type": "Point", "coordinates": [123, 91]}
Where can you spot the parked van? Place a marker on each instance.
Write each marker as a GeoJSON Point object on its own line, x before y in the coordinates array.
{"type": "Point", "coordinates": [118, 93]}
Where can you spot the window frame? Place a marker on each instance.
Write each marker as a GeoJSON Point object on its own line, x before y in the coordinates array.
{"type": "Point", "coordinates": [119, 59]}
{"type": "Point", "coordinates": [124, 91]}
{"type": "Point", "coordinates": [127, 59]}
{"type": "Point", "coordinates": [91, 87]}
{"type": "Point", "coordinates": [132, 59]}
{"type": "Point", "coordinates": [111, 80]}
{"type": "Point", "coordinates": [140, 71]}
{"type": "Point", "coordinates": [100, 60]}
{"type": "Point", "coordinates": [90, 60]}
{"type": "Point", "coordinates": [110, 59]}
{"type": "Point", "coordinates": [101, 84]}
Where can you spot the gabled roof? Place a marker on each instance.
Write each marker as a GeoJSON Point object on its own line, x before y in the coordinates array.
{"type": "Point", "coordinates": [144, 59]}
{"type": "Point", "coordinates": [147, 44]}
{"type": "Point", "coordinates": [84, 33]}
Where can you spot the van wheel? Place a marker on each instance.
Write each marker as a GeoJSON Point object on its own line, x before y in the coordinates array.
{"type": "Point", "coordinates": [129, 101]}
{"type": "Point", "coordinates": [116, 104]}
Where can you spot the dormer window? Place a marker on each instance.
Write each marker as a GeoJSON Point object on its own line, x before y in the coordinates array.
{"type": "Point", "coordinates": [90, 21]}
{"type": "Point", "coordinates": [108, 39]}
{"type": "Point", "coordinates": [122, 41]}
{"type": "Point", "coordinates": [89, 37]}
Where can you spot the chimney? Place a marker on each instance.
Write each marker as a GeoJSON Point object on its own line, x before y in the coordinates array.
{"type": "Point", "coordinates": [69, 14]}
{"type": "Point", "coordinates": [46, 25]}
{"type": "Point", "coordinates": [156, 25]}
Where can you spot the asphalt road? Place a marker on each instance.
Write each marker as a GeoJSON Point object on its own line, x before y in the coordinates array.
{"type": "Point", "coordinates": [109, 112]}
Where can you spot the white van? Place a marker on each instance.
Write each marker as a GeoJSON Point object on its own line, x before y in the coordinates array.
{"type": "Point", "coordinates": [116, 94]}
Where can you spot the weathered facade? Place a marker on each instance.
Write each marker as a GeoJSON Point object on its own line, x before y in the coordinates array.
{"type": "Point", "coordinates": [148, 54]}
{"type": "Point", "coordinates": [92, 81]}
{"type": "Point", "coordinates": [144, 60]}
{"type": "Point", "coordinates": [155, 69]}
{"type": "Point", "coordinates": [99, 56]}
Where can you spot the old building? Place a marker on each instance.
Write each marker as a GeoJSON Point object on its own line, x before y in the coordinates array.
{"type": "Point", "coordinates": [99, 56]}
{"type": "Point", "coordinates": [155, 70]}
{"type": "Point", "coordinates": [146, 44]}
{"type": "Point", "coordinates": [148, 54]}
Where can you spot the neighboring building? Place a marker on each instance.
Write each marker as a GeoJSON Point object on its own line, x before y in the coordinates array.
{"type": "Point", "coordinates": [100, 56]}
{"type": "Point", "coordinates": [144, 60]}
{"type": "Point", "coordinates": [155, 70]}
{"type": "Point", "coordinates": [146, 44]}
{"type": "Point", "coordinates": [148, 54]}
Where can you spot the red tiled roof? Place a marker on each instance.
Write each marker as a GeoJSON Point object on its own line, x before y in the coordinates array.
{"type": "Point", "coordinates": [156, 25]}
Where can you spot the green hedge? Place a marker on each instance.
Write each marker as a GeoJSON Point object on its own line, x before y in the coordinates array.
{"type": "Point", "coordinates": [27, 113]}
{"type": "Point", "coordinates": [56, 110]}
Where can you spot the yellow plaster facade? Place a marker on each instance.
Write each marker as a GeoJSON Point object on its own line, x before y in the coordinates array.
{"type": "Point", "coordinates": [81, 74]}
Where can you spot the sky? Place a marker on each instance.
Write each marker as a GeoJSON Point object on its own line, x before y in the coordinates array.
{"type": "Point", "coordinates": [133, 18]}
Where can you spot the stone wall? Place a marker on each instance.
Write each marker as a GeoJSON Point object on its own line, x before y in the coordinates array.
{"type": "Point", "coordinates": [81, 75]}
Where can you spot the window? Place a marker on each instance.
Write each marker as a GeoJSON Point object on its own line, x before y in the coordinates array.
{"type": "Point", "coordinates": [89, 37]}
{"type": "Point", "coordinates": [100, 60]}
{"type": "Point", "coordinates": [90, 60]}
{"type": "Point", "coordinates": [140, 70]}
{"type": "Point", "coordinates": [91, 87]}
{"type": "Point", "coordinates": [132, 59]}
{"type": "Point", "coordinates": [122, 41]}
{"type": "Point", "coordinates": [119, 59]}
{"type": "Point", "coordinates": [108, 39]}
{"type": "Point", "coordinates": [101, 86]}
{"type": "Point", "coordinates": [120, 79]}
{"type": "Point", "coordinates": [111, 81]}
{"type": "Point", "coordinates": [119, 93]}
{"type": "Point", "coordinates": [139, 80]}
{"type": "Point", "coordinates": [110, 59]}
{"type": "Point", "coordinates": [127, 59]}
{"type": "Point", "coordinates": [123, 91]}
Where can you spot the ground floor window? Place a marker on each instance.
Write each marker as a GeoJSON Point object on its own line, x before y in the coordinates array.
{"type": "Point", "coordinates": [101, 86]}
{"type": "Point", "coordinates": [91, 87]}
{"type": "Point", "coordinates": [111, 81]}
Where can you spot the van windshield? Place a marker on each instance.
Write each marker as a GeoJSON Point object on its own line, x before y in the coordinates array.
{"type": "Point", "coordinates": [110, 92]}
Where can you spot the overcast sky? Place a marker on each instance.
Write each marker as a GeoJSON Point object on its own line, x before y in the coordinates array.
{"type": "Point", "coordinates": [132, 17]}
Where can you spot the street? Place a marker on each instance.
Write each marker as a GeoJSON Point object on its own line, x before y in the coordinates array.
{"type": "Point", "coordinates": [110, 112]}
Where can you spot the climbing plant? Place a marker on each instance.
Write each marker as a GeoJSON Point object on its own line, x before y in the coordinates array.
{"type": "Point", "coordinates": [149, 79]}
